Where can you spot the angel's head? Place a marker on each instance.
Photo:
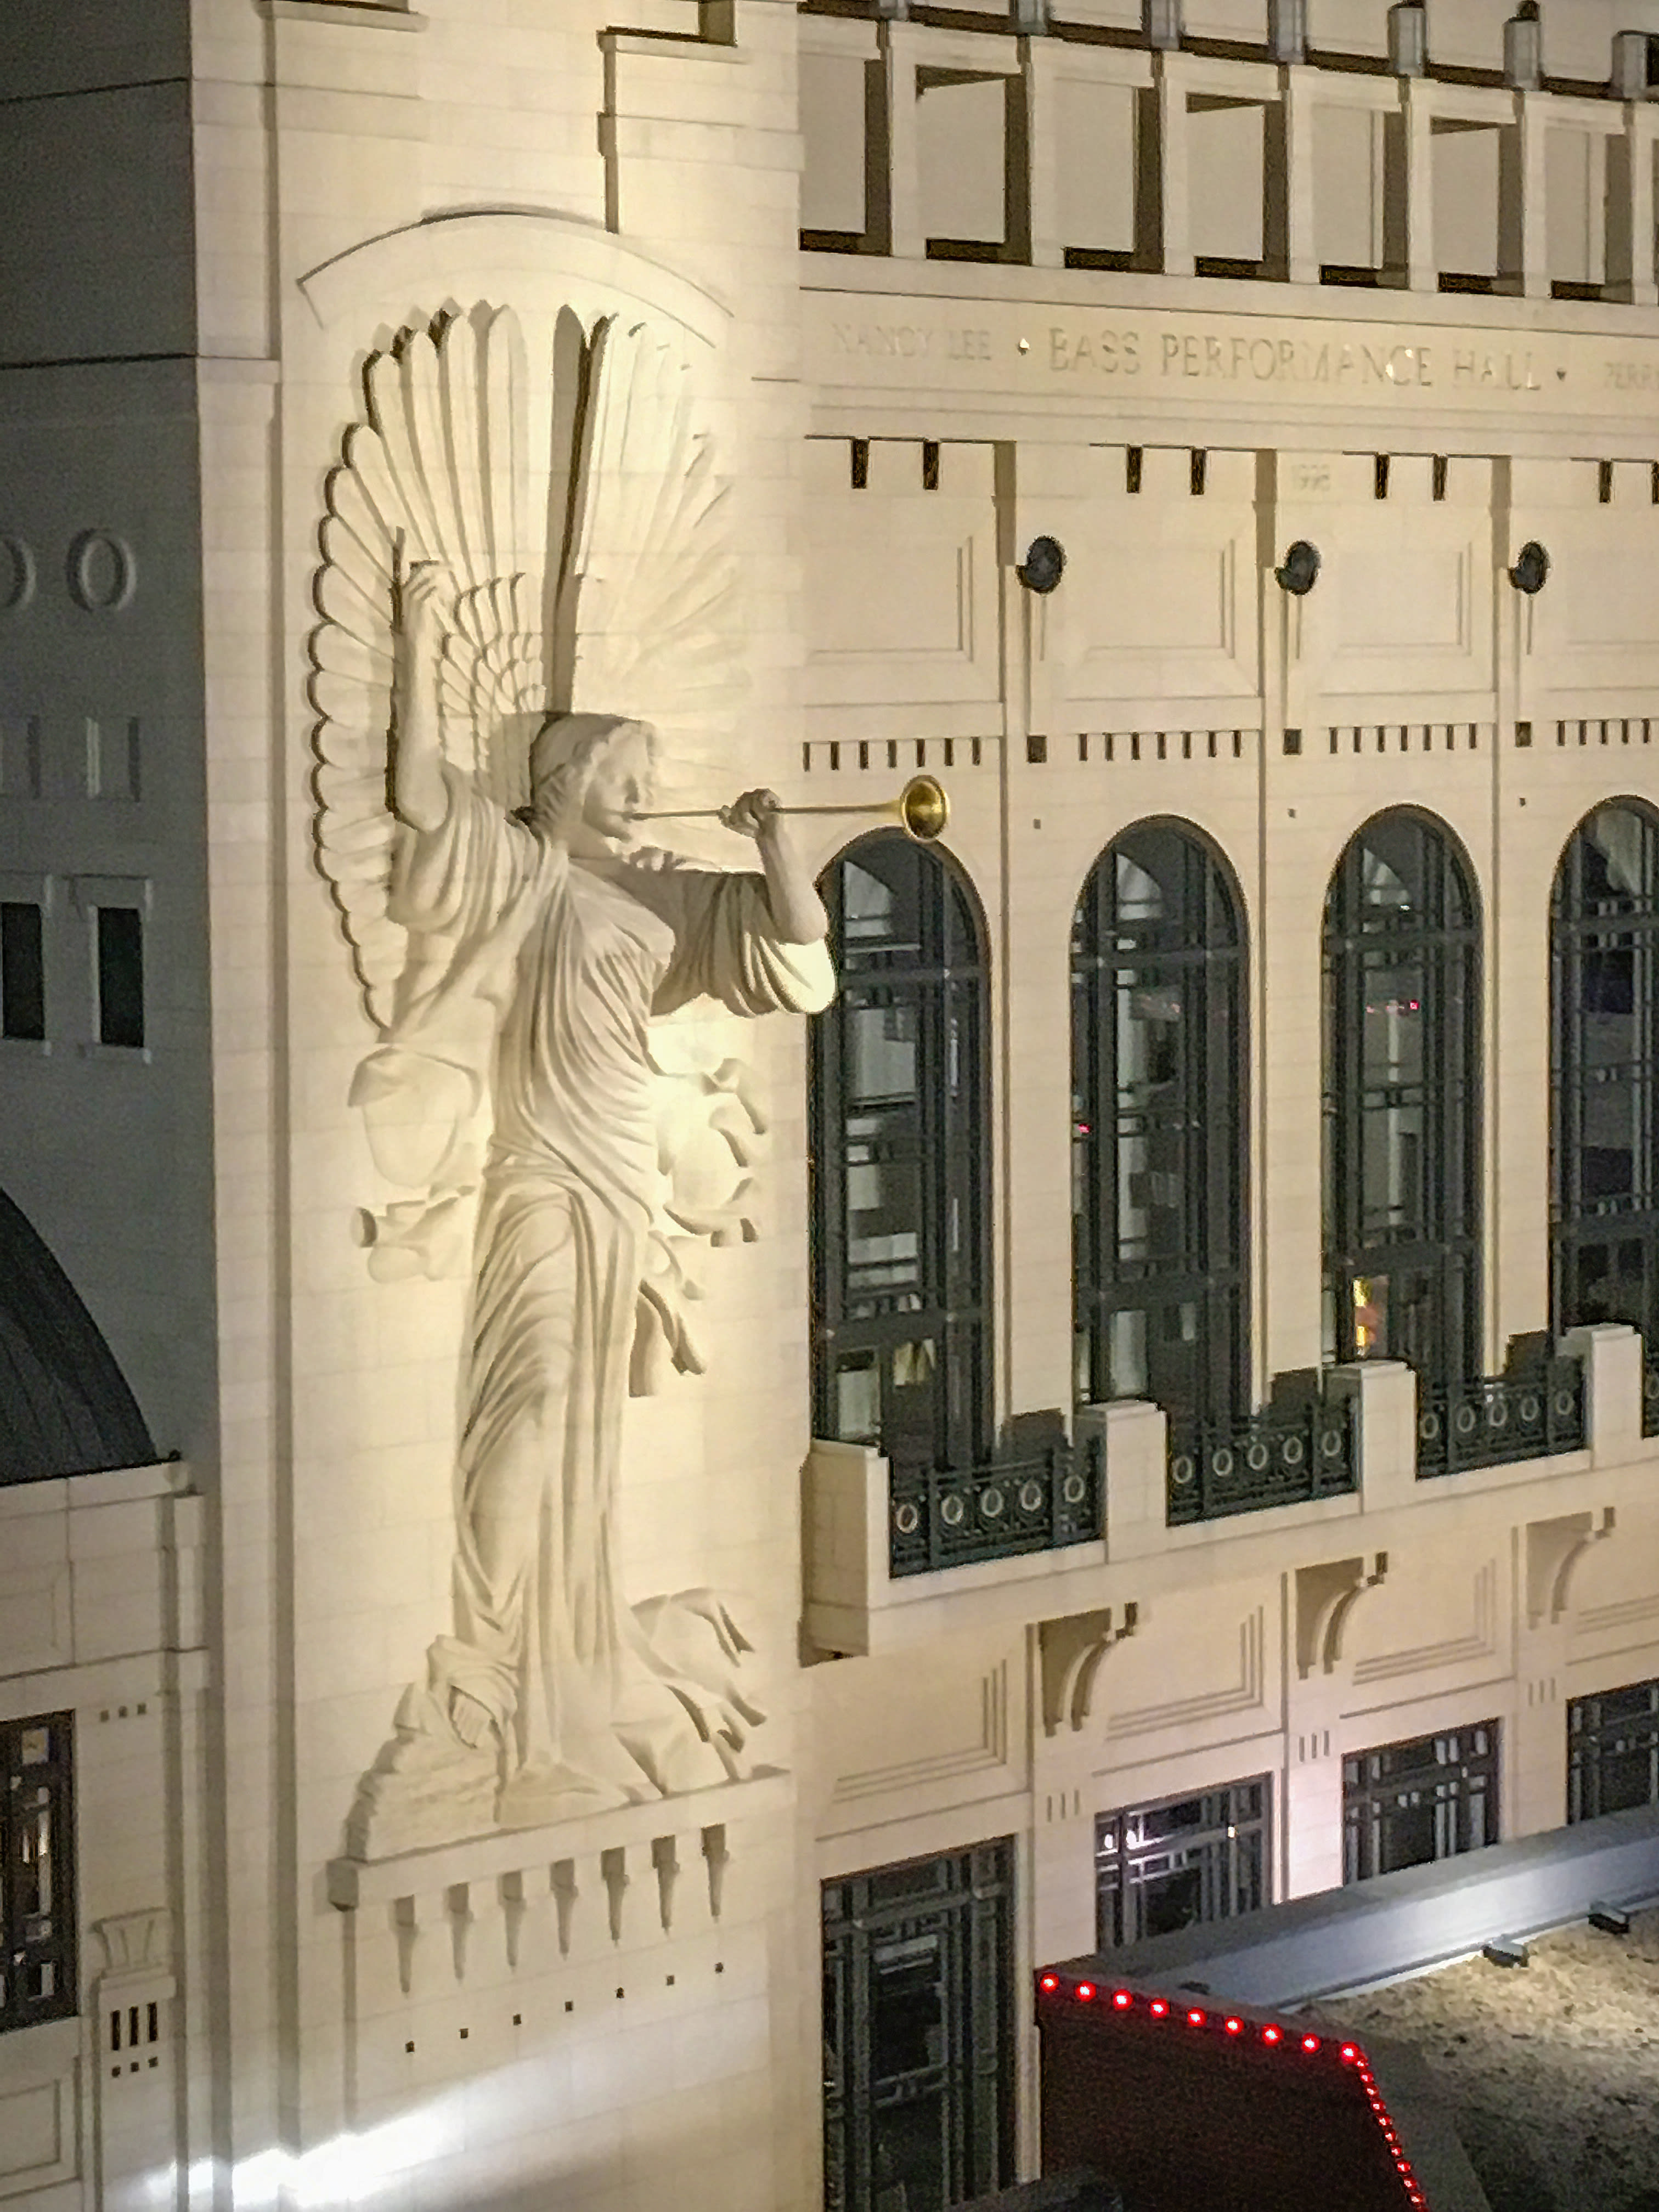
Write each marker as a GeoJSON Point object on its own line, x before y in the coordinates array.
{"type": "Point", "coordinates": [590, 777]}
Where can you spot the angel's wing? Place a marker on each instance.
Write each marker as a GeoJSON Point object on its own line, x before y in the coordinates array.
{"type": "Point", "coordinates": [646, 618]}
{"type": "Point", "coordinates": [436, 469]}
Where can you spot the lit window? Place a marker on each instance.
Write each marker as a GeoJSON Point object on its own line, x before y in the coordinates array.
{"type": "Point", "coordinates": [1402, 1103]}
{"type": "Point", "coordinates": [38, 1907]}
{"type": "Point", "coordinates": [1604, 973]}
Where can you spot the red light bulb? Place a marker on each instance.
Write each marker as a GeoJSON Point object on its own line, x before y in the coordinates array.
{"type": "Point", "coordinates": [1270, 2035]}
{"type": "Point", "coordinates": [1049, 1982]}
{"type": "Point", "coordinates": [1234, 2027]}
{"type": "Point", "coordinates": [1310, 2043]}
{"type": "Point", "coordinates": [1158, 2008]}
{"type": "Point", "coordinates": [1122, 1999]}
{"type": "Point", "coordinates": [1085, 1991]}
{"type": "Point", "coordinates": [1196, 2018]}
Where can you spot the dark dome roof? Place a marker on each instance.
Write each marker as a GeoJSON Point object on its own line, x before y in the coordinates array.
{"type": "Point", "coordinates": [64, 1404]}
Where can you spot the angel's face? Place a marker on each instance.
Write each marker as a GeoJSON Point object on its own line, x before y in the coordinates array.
{"type": "Point", "coordinates": [619, 788]}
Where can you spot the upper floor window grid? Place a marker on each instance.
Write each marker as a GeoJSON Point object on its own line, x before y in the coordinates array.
{"type": "Point", "coordinates": [901, 1162]}
{"type": "Point", "coordinates": [1401, 1023]}
{"type": "Point", "coordinates": [1159, 1129]}
{"type": "Point", "coordinates": [1604, 979]}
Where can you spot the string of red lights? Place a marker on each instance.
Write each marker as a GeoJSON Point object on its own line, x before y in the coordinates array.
{"type": "Point", "coordinates": [1289, 2039]}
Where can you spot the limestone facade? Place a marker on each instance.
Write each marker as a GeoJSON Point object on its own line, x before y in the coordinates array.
{"type": "Point", "coordinates": [943, 288]}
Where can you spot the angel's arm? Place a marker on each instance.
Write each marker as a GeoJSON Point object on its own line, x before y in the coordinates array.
{"type": "Point", "coordinates": [797, 909]}
{"type": "Point", "coordinates": [419, 794]}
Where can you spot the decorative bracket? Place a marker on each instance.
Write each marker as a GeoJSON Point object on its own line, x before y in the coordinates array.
{"type": "Point", "coordinates": [1553, 1551]}
{"type": "Point", "coordinates": [1072, 1649]}
{"type": "Point", "coordinates": [1325, 1597]}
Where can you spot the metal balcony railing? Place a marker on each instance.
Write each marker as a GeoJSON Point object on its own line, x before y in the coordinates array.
{"type": "Point", "coordinates": [1035, 1501]}
{"type": "Point", "coordinates": [1528, 1412]}
{"type": "Point", "coordinates": [1280, 1456]}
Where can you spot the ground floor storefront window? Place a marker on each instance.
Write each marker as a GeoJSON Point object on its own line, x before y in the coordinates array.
{"type": "Point", "coordinates": [1612, 1751]}
{"type": "Point", "coordinates": [1183, 1861]}
{"type": "Point", "coordinates": [1407, 1804]}
{"type": "Point", "coordinates": [917, 2033]}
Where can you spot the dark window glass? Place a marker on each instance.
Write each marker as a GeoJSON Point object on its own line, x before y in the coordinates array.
{"type": "Point", "coordinates": [1401, 1103]}
{"type": "Point", "coordinates": [1190, 1860]}
{"type": "Point", "coordinates": [1612, 1751]}
{"type": "Point", "coordinates": [1159, 1128]}
{"type": "Point", "coordinates": [1405, 1804]}
{"type": "Point", "coordinates": [38, 1905]}
{"type": "Point", "coordinates": [900, 1162]}
{"type": "Point", "coordinates": [120, 975]}
{"type": "Point", "coordinates": [918, 2033]}
{"type": "Point", "coordinates": [1604, 976]}
{"type": "Point", "coordinates": [23, 972]}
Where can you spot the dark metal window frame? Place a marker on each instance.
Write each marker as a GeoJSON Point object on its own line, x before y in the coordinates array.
{"type": "Point", "coordinates": [961, 1904]}
{"type": "Point", "coordinates": [39, 1947]}
{"type": "Point", "coordinates": [1230, 1818]}
{"type": "Point", "coordinates": [1201, 953]}
{"type": "Point", "coordinates": [1621, 1723]}
{"type": "Point", "coordinates": [1444, 1244]}
{"type": "Point", "coordinates": [945, 982]}
{"type": "Point", "coordinates": [1456, 1769]}
{"type": "Point", "coordinates": [1589, 922]}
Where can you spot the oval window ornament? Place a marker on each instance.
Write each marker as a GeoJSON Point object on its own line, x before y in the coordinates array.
{"type": "Point", "coordinates": [1043, 566]}
{"type": "Point", "coordinates": [1531, 571]}
{"type": "Point", "coordinates": [1299, 571]}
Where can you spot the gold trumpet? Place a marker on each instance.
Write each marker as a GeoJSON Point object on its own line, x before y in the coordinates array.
{"type": "Point", "coordinates": [921, 810]}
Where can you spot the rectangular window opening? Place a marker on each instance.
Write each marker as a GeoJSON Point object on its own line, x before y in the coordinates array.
{"type": "Point", "coordinates": [1380, 481]}
{"type": "Point", "coordinates": [23, 972]}
{"type": "Point", "coordinates": [1604, 482]}
{"type": "Point", "coordinates": [1438, 475]}
{"type": "Point", "coordinates": [860, 463]}
{"type": "Point", "coordinates": [1133, 459]}
{"type": "Point", "coordinates": [930, 464]}
{"type": "Point", "coordinates": [120, 937]}
{"type": "Point", "coordinates": [1200, 465]}
{"type": "Point", "coordinates": [38, 1914]}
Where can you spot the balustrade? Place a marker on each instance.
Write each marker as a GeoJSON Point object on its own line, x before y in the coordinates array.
{"type": "Point", "coordinates": [1035, 1501]}
{"type": "Point", "coordinates": [1528, 1412]}
{"type": "Point", "coordinates": [1284, 1456]}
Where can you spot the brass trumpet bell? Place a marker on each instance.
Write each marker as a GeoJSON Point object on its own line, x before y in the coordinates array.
{"type": "Point", "coordinates": [922, 809]}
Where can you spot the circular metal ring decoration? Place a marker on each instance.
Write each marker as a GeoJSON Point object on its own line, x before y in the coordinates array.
{"type": "Point", "coordinates": [1531, 571]}
{"type": "Point", "coordinates": [1043, 566]}
{"type": "Point", "coordinates": [1299, 571]}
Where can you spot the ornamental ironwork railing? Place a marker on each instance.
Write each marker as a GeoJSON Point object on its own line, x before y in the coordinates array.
{"type": "Point", "coordinates": [1528, 1414]}
{"type": "Point", "coordinates": [1280, 1456]}
{"type": "Point", "coordinates": [1034, 1502]}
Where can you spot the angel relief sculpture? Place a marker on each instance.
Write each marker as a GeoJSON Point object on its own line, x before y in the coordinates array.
{"type": "Point", "coordinates": [514, 944]}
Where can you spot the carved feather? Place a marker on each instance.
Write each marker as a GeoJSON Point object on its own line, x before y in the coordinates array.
{"type": "Point", "coordinates": [435, 471]}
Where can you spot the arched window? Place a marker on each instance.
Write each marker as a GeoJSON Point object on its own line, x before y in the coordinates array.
{"type": "Point", "coordinates": [901, 1162]}
{"type": "Point", "coordinates": [1604, 979]}
{"type": "Point", "coordinates": [1159, 1128]}
{"type": "Point", "coordinates": [1402, 1058]}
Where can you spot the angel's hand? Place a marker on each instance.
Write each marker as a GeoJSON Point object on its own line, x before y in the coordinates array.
{"type": "Point", "coordinates": [756, 814]}
{"type": "Point", "coordinates": [421, 595]}
{"type": "Point", "coordinates": [652, 858]}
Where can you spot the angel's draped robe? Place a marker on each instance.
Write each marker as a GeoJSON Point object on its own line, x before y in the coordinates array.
{"type": "Point", "coordinates": [573, 959]}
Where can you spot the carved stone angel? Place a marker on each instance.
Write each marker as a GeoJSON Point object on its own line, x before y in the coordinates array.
{"type": "Point", "coordinates": [534, 944]}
